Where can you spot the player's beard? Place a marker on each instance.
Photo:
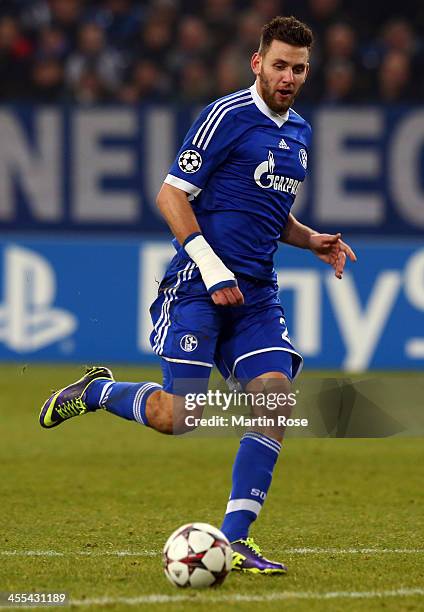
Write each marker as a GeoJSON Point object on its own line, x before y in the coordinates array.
{"type": "Point", "coordinates": [269, 96]}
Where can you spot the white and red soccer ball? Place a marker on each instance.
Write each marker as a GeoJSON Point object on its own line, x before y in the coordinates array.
{"type": "Point", "coordinates": [197, 555]}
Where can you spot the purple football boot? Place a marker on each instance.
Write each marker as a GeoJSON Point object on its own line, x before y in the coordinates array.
{"type": "Point", "coordinates": [71, 400]}
{"type": "Point", "coordinates": [247, 557]}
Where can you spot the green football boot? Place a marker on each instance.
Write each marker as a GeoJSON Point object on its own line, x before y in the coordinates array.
{"type": "Point", "coordinates": [71, 400]}
{"type": "Point", "coordinates": [247, 557]}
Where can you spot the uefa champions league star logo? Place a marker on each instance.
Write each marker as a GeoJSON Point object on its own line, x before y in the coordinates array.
{"type": "Point", "coordinates": [190, 161]}
{"type": "Point", "coordinates": [188, 343]}
{"type": "Point", "coordinates": [303, 157]}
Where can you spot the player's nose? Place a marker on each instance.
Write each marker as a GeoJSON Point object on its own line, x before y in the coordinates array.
{"type": "Point", "coordinates": [287, 75]}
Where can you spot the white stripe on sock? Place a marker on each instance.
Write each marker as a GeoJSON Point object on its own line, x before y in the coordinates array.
{"type": "Point", "coordinates": [136, 405]}
{"type": "Point", "coordinates": [265, 438]}
{"type": "Point", "coordinates": [260, 436]}
{"type": "Point", "coordinates": [138, 399]}
{"type": "Point", "coordinates": [243, 504]}
{"type": "Point", "coordinates": [103, 396]}
{"type": "Point", "coordinates": [263, 442]}
{"type": "Point", "coordinates": [137, 402]}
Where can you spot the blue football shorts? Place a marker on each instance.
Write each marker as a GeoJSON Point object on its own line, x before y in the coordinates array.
{"type": "Point", "coordinates": [191, 333]}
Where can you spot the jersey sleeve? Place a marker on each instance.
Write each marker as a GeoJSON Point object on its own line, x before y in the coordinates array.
{"type": "Point", "coordinates": [206, 145]}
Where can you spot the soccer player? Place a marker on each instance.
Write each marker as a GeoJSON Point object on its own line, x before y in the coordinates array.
{"type": "Point", "coordinates": [227, 200]}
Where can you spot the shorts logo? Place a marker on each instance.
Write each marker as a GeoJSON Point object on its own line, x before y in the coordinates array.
{"type": "Point", "coordinates": [303, 158]}
{"type": "Point", "coordinates": [190, 161]}
{"type": "Point", "coordinates": [188, 343]}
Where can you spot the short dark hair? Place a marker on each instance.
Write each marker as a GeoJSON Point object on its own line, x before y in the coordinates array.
{"type": "Point", "coordinates": [287, 29]}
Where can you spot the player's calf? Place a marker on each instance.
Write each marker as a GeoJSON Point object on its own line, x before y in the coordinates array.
{"type": "Point", "coordinates": [167, 413]}
{"type": "Point", "coordinates": [252, 472]}
{"type": "Point", "coordinates": [144, 402]}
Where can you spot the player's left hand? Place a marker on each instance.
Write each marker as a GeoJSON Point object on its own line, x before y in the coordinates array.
{"type": "Point", "coordinates": [331, 249]}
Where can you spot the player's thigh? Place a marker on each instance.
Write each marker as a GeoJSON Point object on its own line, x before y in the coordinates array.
{"type": "Point", "coordinates": [256, 354]}
{"type": "Point", "coordinates": [182, 382]}
{"type": "Point", "coordinates": [174, 409]}
{"type": "Point", "coordinates": [259, 343]}
{"type": "Point", "coordinates": [186, 328]}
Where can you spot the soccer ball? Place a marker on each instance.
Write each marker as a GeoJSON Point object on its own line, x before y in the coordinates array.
{"type": "Point", "coordinates": [197, 555]}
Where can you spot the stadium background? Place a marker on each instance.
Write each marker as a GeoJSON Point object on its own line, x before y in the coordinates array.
{"type": "Point", "coordinates": [95, 99]}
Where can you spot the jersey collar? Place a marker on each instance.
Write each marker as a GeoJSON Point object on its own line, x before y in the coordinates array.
{"type": "Point", "coordinates": [264, 108]}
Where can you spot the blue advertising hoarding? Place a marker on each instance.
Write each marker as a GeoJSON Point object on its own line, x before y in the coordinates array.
{"type": "Point", "coordinates": [87, 300]}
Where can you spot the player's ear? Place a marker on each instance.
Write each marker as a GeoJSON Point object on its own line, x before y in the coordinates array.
{"type": "Point", "coordinates": [256, 63]}
{"type": "Point", "coordinates": [307, 70]}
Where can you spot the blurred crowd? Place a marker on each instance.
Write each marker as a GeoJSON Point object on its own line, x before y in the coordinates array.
{"type": "Point", "coordinates": [96, 51]}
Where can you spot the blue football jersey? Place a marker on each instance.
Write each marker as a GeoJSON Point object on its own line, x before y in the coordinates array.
{"type": "Point", "coordinates": [242, 165]}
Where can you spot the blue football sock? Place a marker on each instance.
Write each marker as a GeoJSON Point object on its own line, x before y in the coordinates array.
{"type": "Point", "coordinates": [252, 475]}
{"type": "Point", "coordinates": [127, 400]}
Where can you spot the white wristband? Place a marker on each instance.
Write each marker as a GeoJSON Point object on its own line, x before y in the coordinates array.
{"type": "Point", "coordinates": [215, 273]}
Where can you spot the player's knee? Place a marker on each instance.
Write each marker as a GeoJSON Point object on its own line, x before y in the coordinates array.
{"type": "Point", "coordinates": [273, 400]}
{"type": "Point", "coordinates": [272, 388]}
{"type": "Point", "coordinates": [269, 382]}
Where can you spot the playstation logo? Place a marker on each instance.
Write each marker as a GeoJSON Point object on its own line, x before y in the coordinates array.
{"type": "Point", "coordinates": [28, 319]}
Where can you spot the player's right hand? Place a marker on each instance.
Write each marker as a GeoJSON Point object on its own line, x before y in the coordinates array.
{"type": "Point", "coordinates": [219, 280]}
{"type": "Point", "coordinates": [228, 296]}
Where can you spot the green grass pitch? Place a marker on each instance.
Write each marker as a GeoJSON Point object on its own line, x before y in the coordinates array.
{"type": "Point", "coordinates": [74, 497]}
